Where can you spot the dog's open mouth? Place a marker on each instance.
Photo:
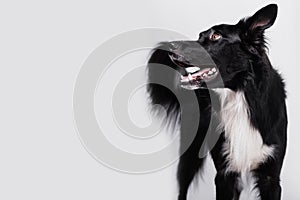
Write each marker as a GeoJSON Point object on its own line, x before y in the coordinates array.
{"type": "Point", "coordinates": [194, 76]}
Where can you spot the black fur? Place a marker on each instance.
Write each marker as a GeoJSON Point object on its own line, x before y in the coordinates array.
{"type": "Point", "coordinates": [241, 59]}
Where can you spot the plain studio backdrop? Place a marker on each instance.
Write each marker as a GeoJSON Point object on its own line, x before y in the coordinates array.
{"type": "Point", "coordinates": [43, 45]}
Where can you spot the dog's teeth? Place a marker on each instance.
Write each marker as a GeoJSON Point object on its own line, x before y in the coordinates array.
{"type": "Point", "coordinates": [214, 70]}
{"type": "Point", "coordinates": [204, 75]}
{"type": "Point", "coordinates": [190, 77]}
{"type": "Point", "coordinates": [192, 69]}
{"type": "Point", "coordinates": [184, 81]}
{"type": "Point", "coordinates": [210, 73]}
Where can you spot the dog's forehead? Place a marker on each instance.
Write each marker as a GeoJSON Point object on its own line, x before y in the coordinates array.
{"type": "Point", "coordinates": [225, 28]}
{"type": "Point", "coordinates": [228, 31]}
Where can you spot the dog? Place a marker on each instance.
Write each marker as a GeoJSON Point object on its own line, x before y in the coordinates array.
{"type": "Point", "coordinates": [240, 100]}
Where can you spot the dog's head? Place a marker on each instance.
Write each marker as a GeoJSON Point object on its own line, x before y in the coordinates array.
{"type": "Point", "coordinates": [223, 55]}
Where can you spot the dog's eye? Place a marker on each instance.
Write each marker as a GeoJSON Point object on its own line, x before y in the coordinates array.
{"type": "Point", "coordinates": [215, 37]}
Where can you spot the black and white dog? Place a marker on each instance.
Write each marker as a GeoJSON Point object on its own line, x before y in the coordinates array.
{"type": "Point", "coordinates": [228, 62]}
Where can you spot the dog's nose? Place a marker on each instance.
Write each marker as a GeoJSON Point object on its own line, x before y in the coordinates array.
{"type": "Point", "coordinates": [201, 38]}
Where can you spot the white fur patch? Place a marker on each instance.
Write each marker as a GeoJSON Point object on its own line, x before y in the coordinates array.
{"type": "Point", "coordinates": [247, 186]}
{"type": "Point", "coordinates": [244, 147]}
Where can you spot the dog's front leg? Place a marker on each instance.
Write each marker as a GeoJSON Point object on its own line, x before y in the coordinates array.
{"type": "Point", "coordinates": [269, 186]}
{"type": "Point", "coordinates": [226, 186]}
{"type": "Point", "coordinates": [268, 178]}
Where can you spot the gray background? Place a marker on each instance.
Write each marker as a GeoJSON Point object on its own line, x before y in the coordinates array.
{"type": "Point", "coordinates": [43, 45]}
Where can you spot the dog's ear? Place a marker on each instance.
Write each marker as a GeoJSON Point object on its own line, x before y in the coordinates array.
{"type": "Point", "coordinates": [253, 28]}
{"type": "Point", "coordinates": [263, 19]}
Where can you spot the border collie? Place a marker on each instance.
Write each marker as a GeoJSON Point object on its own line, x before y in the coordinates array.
{"type": "Point", "coordinates": [229, 64]}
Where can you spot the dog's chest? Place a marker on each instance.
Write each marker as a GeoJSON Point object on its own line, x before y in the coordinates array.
{"type": "Point", "coordinates": [244, 148]}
